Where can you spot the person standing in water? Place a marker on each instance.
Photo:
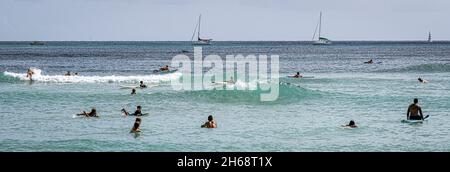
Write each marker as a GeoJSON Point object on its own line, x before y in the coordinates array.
{"type": "Point", "coordinates": [414, 111]}
{"type": "Point", "coordinates": [210, 123]}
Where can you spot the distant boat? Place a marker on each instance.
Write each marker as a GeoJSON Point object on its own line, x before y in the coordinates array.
{"type": "Point", "coordinates": [320, 40]}
{"type": "Point", "coordinates": [199, 41]}
{"type": "Point", "coordinates": [429, 37]}
{"type": "Point", "coordinates": [38, 43]}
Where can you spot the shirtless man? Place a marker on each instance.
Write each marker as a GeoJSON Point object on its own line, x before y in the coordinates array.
{"type": "Point", "coordinates": [210, 123]}
{"type": "Point", "coordinates": [414, 111]}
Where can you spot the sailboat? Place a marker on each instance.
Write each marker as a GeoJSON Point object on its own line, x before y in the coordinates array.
{"type": "Point", "coordinates": [320, 40]}
{"type": "Point", "coordinates": [199, 41]}
{"type": "Point", "coordinates": [429, 37]}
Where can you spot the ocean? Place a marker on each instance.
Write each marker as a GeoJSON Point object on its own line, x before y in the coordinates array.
{"type": "Point", "coordinates": [307, 116]}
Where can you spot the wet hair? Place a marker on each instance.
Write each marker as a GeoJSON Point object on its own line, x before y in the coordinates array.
{"type": "Point", "coordinates": [139, 107]}
{"type": "Point", "coordinates": [210, 118]}
{"type": "Point", "coordinates": [351, 123]}
{"type": "Point", "coordinates": [298, 73]}
{"type": "Point", "coordinates": [138, 120]}
{"type": "Point", "coordinates": [420, 79]}
{"type": "Point", "coordinates": [416, 100]}
{"type": "Point", "coordinates": [133, 90]}
{"type": "Point", "coordinates": [142, 82]}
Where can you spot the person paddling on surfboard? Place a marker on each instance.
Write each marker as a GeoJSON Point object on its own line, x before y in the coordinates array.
{"type": "Point", "coordinates": [231, 81]}
{"type": "Point", "coordinates": [165, 68]}
{"type": "Point", "coordinates": [138, 112]}
{"type": "Point", "coordinates": [422, 80]}
{"type": "Point", "coordinates": [414, 111]}
{"type": "Point", "coordinates": [297, 75]}
{"type": "Point", "coordinates": [351, 124]}
{"type": "Point", "coordinates": [142, 85]}
{"type": "Point", "coordinates": [93, 113]}
{"type": "Point", "coordinates": [210, 123]}
{"type": "Point", "coordinates": [369, 62]}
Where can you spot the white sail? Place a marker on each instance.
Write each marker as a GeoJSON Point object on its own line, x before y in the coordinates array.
{"type": "Point", "coordinates": [320, 40]}
{"type": "Point", "coordinates": [199, 41]}
{"type": "Point", "coordinates": [429, 37]}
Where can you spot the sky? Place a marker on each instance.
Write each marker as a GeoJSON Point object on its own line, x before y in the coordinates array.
{"type": "Point", "coordinates": [222, 20]}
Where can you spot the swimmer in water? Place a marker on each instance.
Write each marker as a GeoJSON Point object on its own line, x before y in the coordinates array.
{"type": "Point", "coordinates": [142, 85]}
{"type": "Point", "coordinates": [210, 123]}
{"type": "Point", "coordinates": [133, 91]}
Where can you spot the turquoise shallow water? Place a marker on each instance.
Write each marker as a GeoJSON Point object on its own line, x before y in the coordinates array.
{"type": "Point", "coordinates": [307, 115]}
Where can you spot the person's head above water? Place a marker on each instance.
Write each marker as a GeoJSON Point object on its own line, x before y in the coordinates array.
{"type": "Point", "coordinates": [351, 123]}
{"type": "Point", "coordinates": [416, 101]}
{"type": "Point", "coordinates": [139, 107]}
{"type": "Point", "coordinates": [210, 118]}
{"type": "Point", "coordinates": [142, 82]}
{"type": "Point", "coordinates": [298, 73]}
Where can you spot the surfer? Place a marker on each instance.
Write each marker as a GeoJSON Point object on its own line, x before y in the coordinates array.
{"type": "Point", "coordinates": [93, 113]}
{"type": "Point", "coordinates": [351, 124]}
{"type": "Point", "coordinates": [165, 68]}
{"type": "Point", "coordinates": [76, 73]}
{"type": "Point", "coordinates": [138, 112]}
{"type": "Point", "coordinates": [30, 73]}
{"type": "Point", "coordinates": [133, 91]}
{"type": "Point", "coordinates": [210, 123]}
{"type": "Point", "coordinates": [369, 62]}
{"type": "Point", "coordinates": [414, 111]}
{"type": "Point", "coordinates": [142, 85]}
{"type": "Point", "coordinates": [67, 74]}
{"type": "Point", "coordinates": [231, 81]}
{"type": "Point", "coordinates": [422, 80]}
{"type": "Point", "coordinates": [136, 125]}
{"type": "Point", "coordinates": [297, 75]}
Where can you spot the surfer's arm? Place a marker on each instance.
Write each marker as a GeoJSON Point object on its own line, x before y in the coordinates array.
{"type": "Point", "coordinates": [420, 112]}
{"type": "Point", "coordinates": [407, 113]}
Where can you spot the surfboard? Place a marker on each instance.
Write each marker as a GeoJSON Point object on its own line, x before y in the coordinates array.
{"type": "Point", "coordinates": [134, 86]}
{"type": "Point", "coordinates": [412, 121]}
{"type": "Point", "coordinates": [164, 72]}
{"type": "Point", "coordinates": [128, 86]}
{"type": "Point", "coordinates": [305, 77]}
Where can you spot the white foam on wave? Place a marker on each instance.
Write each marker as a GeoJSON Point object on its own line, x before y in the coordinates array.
{"type": "Point", "coordinates": [39, 77]}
